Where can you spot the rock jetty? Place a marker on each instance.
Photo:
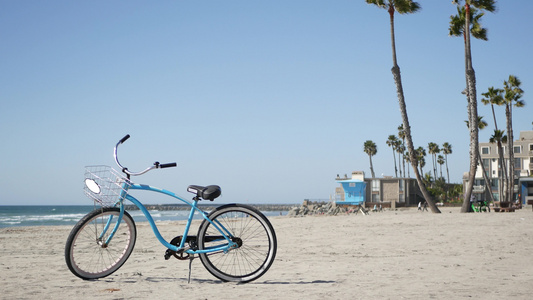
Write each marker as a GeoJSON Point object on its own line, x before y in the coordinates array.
{"type": "Point", "coordinates": [309, 208]}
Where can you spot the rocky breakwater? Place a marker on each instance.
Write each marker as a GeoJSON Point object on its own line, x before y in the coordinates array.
{"type": "Point", "coordinates": [309, 208]}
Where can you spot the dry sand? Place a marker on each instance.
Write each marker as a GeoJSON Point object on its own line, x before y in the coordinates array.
{"type": "Point", "coordinates": [402, 254]}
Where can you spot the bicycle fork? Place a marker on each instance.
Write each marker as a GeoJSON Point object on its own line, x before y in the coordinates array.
{"type": "Point", "coordinates": [123, 193]}
{"type": "Point", "coordinates": [100, 239]}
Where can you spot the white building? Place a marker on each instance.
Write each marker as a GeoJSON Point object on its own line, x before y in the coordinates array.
{"type": "Point", "coordinates": [523, 169]}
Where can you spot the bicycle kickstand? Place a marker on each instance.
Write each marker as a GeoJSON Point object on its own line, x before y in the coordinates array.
{"type": "Point", "coordinates": [191, 257]}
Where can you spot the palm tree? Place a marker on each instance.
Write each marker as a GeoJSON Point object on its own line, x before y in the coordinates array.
{"type": "Point", "coordinates": [421, 158]}
{"type": "Point", "coordinates": [482, 124]}
{"type": "Point", "coordinates": [440, 161]}
{"type": "Point", "coordinates": [509, 96]}
{"type": "Point", "coordinates": [401, 135]}
{"type": "Point", "coordinates": [493, 97]}
{"type": "Point", "coordinates": [392, 142]}
{"type": "Point", "coordinates": [428, 179]}
{"type": "Point", "coordinates": [404, 7]}
{"type": "Point", "coordinates": [407, 159]}
{"type": "Point", "coordinates": [371, 149]}
{"type": "Point", "coordinates": [499, 137]}
{"type": "Point", "coordinates": [447, 149]}
{"type": "Point", "coordinates": [400, 148]}
{"type": "Point", "coordinates": [433, 149]}
{"type": "Point", "coordinates": [466, 22]}
{"type": "Point", "coordinates": [512, 95]}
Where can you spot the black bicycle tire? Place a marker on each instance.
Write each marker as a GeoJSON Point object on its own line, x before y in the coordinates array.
{"type": "Point", "coordinates": [261, 267]}
{"type": "Point", "coordinates": [74, 237]}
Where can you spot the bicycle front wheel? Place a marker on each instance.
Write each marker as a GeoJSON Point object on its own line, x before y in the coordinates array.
{"type": "Point", "coordinates": [89, 254]}
{"type": "Point", "coordinates": [254, 236]}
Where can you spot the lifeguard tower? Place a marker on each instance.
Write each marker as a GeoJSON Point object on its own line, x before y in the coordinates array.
{"type": "Point", "coordinates": [352, 190]}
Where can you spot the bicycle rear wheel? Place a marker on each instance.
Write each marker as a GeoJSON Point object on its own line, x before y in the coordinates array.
{"type": "Point", "coordinates": [86, 252]}
{"type": "Point", "coordinates": [255, 238]}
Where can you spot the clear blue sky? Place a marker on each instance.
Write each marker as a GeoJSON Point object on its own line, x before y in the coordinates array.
{"type": "Point", "coordinates": [269, 99]}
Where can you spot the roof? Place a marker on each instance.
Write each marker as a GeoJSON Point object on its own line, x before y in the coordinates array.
{"type": "Point", "coordinates": [349, 180]}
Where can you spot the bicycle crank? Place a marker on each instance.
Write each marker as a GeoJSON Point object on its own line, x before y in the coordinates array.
{"type": "Point", "coordinates": [180, 254]}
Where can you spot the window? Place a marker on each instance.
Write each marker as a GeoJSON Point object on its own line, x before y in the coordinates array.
{"type": "Point", "coordinates": [485, 150]}
{"type": "Point", "coordinates": [517, 163]}
{"type": "Point", "coordinates": [401, 184]}
{"type": "Point", "coordinates": [375, 185]}
{"type": "Point", "coordinates": [517, 149]}
{"type": "Point", "coordinates": [530, 147]}
{"type": "Point", "coordinates": [494, 184]}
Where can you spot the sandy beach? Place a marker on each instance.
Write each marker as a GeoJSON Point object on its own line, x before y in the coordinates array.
{"type": "Point", "coordinates": [403, 254]}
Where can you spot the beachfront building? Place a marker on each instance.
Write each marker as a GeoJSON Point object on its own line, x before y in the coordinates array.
{"type": "Point", "coordinates": [387, 191]}
{"type": "Point", "coordinates": [523, 169]}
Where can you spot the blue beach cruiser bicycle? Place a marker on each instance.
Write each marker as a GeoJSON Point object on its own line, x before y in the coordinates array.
{"type": "Point", "coordinates": [234, 242]}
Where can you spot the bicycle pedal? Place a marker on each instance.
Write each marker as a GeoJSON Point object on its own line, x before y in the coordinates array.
{"type": "Point", "coordinates": [169, 253]}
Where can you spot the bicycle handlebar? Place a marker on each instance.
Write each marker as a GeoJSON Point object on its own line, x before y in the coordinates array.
{"type": "Point", "coordinates": [122, 140]}
{"type": "Point", "coordinates": [128, 172]}
{"type": "Point", "coordinates": [169, 165]}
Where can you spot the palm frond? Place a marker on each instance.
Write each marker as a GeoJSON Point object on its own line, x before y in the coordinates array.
{"type": "Point", "coordinates": [519, 103]}
{"type": "Point", "coordinates": [488, 5]}
{"type": "Point", "coordinates": [378, 3]}
{"type": "Point", "coordinates": [406, 6]}
{"type": "Point", "coordinates": [457, 23]}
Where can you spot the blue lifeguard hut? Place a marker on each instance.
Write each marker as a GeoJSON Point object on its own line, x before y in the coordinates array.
{"type": "Point", "coordinates": [354, 189]}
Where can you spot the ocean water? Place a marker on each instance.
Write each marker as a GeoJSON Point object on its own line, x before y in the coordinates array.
{"type": "Point", "coordinates": [48, 215]}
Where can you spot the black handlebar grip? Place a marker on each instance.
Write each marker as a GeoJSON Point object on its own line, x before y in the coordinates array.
{"type": "Point", "coordinates": [169, 165]}
{"type": "Point", "coordinates": [124, 139]}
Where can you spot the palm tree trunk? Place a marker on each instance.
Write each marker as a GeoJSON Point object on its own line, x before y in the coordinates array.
{"type": "Point", "coordinates": [487, 181]}
{"type": "Point", "coordinates": [398, 80]}
{"type": "Point", "coordinates": [502, 174]}
{"type": "Point", "coordinates": [393, 41]}
{"type": "Point", "coordinates": [447, 171]}
{"type": "Point", "coordinates": [474, 142]}
{"type": "Point", "coordinates": [510, 184]}
{"type": "Point", "coordinates": [403, 110]}
{"type": "Point", "coordinates": [494, 116]}
{"type": "Point", "coordinates": [371, 167]}
{"type": "Point", "coordinates": [403, 163]}
{"type": "Point", "coordinates": [434, 165]}
{"type": "Point", "coordinates": [399, 163]}
{"type": "Point", "coordinates": [472, 111]}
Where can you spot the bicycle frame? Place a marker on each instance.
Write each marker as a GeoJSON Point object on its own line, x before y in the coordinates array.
{"type": "Point", "coordinates": [194, 208]}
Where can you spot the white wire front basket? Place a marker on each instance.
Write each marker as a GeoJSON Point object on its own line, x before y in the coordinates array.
{"type": "Point", "coordinates": [104, 185]}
